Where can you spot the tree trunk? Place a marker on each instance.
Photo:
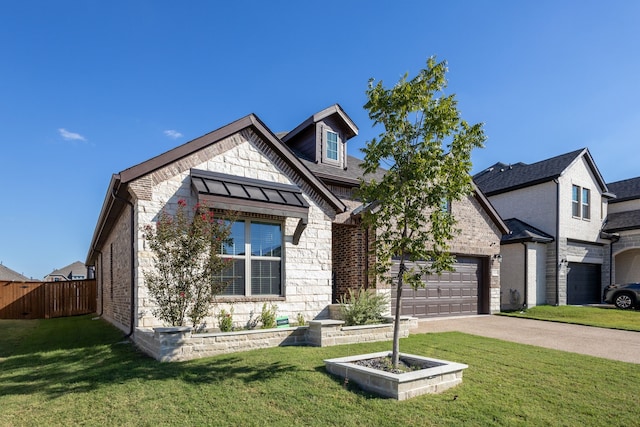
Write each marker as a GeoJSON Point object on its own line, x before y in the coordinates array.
{"type": "Point", "coordinates": [395, 356]}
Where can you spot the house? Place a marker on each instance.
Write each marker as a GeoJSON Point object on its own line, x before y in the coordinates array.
{"type": "Point", "coordinates": [556, 253]}
{"type": "Point", "coordinates": [622, 226]}
{"type": "Point", "coordinates": [7, 274]}
{"type": "Point", "coordinates": [293, 192]}
{"type": "Point", "coordinates": [75, 271]}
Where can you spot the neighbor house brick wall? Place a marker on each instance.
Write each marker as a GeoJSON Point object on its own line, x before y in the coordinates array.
{"type": "Point", "coordinates": [307, 265]}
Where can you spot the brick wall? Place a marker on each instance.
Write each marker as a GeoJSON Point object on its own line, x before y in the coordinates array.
{"type": "Point", "coordinates": [113, 274]}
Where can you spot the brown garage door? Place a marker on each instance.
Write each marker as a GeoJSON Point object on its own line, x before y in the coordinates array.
{"type": "Point", "coordinates": [453, 293]}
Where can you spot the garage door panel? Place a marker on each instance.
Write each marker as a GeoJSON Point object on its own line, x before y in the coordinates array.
{"type": "Point", "coordinates": [452, 293]}
{"type": "Point", "coordinates": [583, 283]}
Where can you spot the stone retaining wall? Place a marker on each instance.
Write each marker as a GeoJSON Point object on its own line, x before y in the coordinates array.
{"type": "Point", "coordinates": [180, 343]}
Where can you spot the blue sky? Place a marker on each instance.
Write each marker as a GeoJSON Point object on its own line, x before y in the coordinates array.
{"type": "Point", "coordinates": [89, 88]}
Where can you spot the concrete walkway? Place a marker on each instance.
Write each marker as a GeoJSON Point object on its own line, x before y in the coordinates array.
{"type": "Point", "coordinates": [608, 343]}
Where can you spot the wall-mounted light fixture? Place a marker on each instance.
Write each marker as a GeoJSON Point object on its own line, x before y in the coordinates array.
{"type": "Point", "coordinates": [497, 257]}
{"type": "Point", "coordinates": [563, 262]}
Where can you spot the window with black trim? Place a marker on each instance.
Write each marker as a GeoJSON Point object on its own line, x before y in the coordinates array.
{"type": "Point", "coordinates": [332, 145]}
{"type": "Point", "coordinates": [255, 257]}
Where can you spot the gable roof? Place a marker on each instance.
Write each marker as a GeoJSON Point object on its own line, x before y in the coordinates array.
{"type": "Point", "coordinates": [67, 272]}
{"type": "Point", "coordinates": [627, 189]}
{"type": "Point", "coordinates": [335, 109]}
{"type": "Point", "coordinates": [117, 194]}
{"type": "Point", "coordinates": [8, 274]}
{"type": "Point", "coordinates": [523, 232]}
{"type": "Point", "coordinates": [501, 178]}
{"type": "Point", "coordinates": [621, 221]}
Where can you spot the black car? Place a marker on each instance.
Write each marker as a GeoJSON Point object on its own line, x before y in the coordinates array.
{"type": "Point", "coordinates": [623, 296]}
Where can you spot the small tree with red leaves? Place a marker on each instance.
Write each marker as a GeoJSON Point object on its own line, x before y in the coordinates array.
{"type": "Point", "coordinates": [188, 266]}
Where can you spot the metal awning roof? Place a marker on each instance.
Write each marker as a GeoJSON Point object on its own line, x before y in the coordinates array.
{"type": "Point", "coordinates": [229, 192]}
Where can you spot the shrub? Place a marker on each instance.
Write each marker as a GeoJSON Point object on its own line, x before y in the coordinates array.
{"type": "Point", "coordinates": [362, 307]}
{"type": "Point", "coordinates": [187, 264]}
{"type": "Point", "coordinates": [300, 319]}
{"type": "Point", "coordinates": [268, 316]}
{"type": "Point", "coordinates": [225, 320]}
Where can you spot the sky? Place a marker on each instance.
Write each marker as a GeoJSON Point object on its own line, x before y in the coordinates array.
{"type": "Point", "coordinates": [89, 88]}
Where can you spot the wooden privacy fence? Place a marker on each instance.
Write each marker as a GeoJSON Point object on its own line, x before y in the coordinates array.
{"type": "Point", "coordinates": [44, 300]}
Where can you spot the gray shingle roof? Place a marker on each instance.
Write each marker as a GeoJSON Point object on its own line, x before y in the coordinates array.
{"type": "Point", "coordinates": [621, 221]}
{"type": "Point", "coordinates": [76, 269]}
{"type": "Point", "coordinates": [627, 189]}
{"type": "Point", "coordinates": [8, 274]}
{"type": "Point", "coordinates": [523, 232]}
{"type": "Point", "coordinates": [500, 177]}
{"type": "Point", "coordinates": [349, 175]}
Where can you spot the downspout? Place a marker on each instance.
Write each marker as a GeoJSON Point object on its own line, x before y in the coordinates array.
{"type": "Point", "coordinates": [525, 303]}
{"type": "Point", "coordinates": [133, 286]}
{"type": "Point", "coordinates": [557, 241]}
{"type": "Point", "coordinates": [101, 283]}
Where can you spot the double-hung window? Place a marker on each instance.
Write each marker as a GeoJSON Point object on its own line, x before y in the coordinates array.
{"type": "Point", "coordinates": [332, 146]}
{"type": "Point", "coordinates": [586, 204]}
{"type": "Point", "coordinates": [255, 259]}
{"type": "Point", "coordinates": [581, 202]}
{"type": "Point", "coordinates": [575, 201]}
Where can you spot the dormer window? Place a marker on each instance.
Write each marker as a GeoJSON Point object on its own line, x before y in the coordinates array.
{"type": "Point", "coordinates": [332, 146]}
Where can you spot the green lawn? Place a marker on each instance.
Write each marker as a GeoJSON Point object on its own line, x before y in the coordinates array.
{"type": "Point", "coordinates": [77, 371]}
{"type": "Point", "coordinates": [603, 317]}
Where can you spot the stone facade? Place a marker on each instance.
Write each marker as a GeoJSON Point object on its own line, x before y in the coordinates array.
{"type": "Point", "coordinates": [178, 344]}
{"type": "Point", "coordinates": [306, 288]}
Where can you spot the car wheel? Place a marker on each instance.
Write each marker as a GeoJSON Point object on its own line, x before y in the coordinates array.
{"type": "Point", "coordinates": [623, 301]}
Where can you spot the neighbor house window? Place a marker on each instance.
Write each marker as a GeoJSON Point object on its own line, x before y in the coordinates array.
{"type": "Point", "coordinates": [255, 259]}
{"type": "Point", "coordinates": [332, 145]}
{"type": "Point", "coordinates": [586, 200]}
{"type": "Point", "coordinates": [581, 202]}
{"type": "Point", "coordinates": [575, 197]}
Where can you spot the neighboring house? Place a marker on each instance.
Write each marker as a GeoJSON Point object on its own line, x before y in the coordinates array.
{"type": "Point", "coordinates": [623, 227]}
{"type": "Point", "coordinates": [7, 274]}
{"type": "Point", "coordinates": [75, 271]}
{"type": "Point", "coordinates": [556, 253]}
{"type": "Point", "coordinates": [294, 196]}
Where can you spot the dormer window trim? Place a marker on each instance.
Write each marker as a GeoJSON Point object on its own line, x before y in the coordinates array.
{"type": "Point", "coordinates": [325, 150]}
{"type": "Point", "coordinates": [332, 145]}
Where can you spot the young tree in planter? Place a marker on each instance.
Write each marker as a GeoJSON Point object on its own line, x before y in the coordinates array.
{"type": "Point", "coordinates": [187, 263]}
{"type": "Point", "coordinates": [427, 149]}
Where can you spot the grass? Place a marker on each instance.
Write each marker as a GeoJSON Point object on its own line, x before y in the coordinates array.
{"type": "Point", "coordinates": [602, 317]}
{"type": "Point", "coordinates": [78, 371]}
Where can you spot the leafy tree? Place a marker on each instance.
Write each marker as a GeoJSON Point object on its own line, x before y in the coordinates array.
{"type": "Point", "coordinates": [187, 263]}
{"type": "Point", "coordinates": [427, 149]}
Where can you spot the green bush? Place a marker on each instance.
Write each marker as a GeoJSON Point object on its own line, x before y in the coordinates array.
{"type": "Point", "coordinates": [362, 307]}
{"type": "Point", "coordinates": [225, 320]}
{"type": "Point", "coordinates": [268, 316]}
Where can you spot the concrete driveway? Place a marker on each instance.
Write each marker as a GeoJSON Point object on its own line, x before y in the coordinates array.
{"type": "Point", "coordinates": [608, 343]}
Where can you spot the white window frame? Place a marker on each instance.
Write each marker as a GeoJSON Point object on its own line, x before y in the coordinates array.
{"type": "Point", "coordinates": [337, 150]}
{"type": "Point", "coordinates": [248, 257]}
{"type": "Point", "coordinates": [578, 205]}
{"type": "Point", "coordinates": [585, 206]}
